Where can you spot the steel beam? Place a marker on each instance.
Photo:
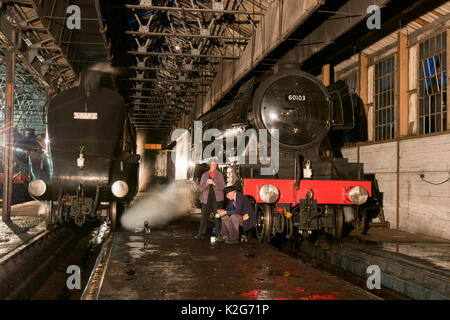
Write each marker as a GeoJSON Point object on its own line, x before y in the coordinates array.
{"type": "Point", "coordinates": [9, 133]}
{"type": "Point", "coordinates": [183, 9]}
{"type": "Point", "coordinates": [168, 80]}
{"type": "Point", "coordinates": [171, 69]}
{"type": "Point", "coordinates": [185, 35]}
{"type": "Point", "coordinates": [169, 54]}
{"type": "Point", "coordinates": [157, 91]}
{"type": "Point", "coordinates": [7, 35]}
{"type": "Point", "coordinates": [159, 98]}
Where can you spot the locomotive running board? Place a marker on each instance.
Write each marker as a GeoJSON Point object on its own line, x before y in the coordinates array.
{"type": "Point", "coordinates": [325, 191]}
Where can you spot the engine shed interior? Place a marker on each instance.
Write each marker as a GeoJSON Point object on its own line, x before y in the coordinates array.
{"type": "Point", "coordinates": [329, 116]}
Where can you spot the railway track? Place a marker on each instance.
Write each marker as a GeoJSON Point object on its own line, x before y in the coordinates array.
{"type": "Point", "coordinates": [37, 268]}
{"type": "Point", "coordinates": [291, 248]}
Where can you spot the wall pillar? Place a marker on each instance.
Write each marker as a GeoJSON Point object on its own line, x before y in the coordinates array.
{"type": "Point", "coordinates": [403, 58]}
{"type": "Point", "coordinates": [363, 95]}
{"type": "Point", "coordinates": [9, 133]}
{"type": "Point", "coordinates": [327, 75]}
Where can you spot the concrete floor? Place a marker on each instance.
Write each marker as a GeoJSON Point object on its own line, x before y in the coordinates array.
{"type": "Point", "coordinates": [429, 250]}
{"type": "Point", "coordinates": [170, 264]}
{"type": "Point", "coordinates": [26, 223]}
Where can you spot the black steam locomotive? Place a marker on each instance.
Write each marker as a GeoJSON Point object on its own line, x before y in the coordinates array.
{"type": "Point", "coordinates": [314, 190]}
{"type": "Point", "coordinates": [89, 169]}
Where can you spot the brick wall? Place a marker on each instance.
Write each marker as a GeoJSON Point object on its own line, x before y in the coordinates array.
{"type": "Point", "coordinates": [424, 208]}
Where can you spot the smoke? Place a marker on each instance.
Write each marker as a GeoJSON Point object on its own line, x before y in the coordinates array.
{"type": "Point", "coordinates": [159, 207]}
{"type": "Point", "coordinates": [106, 68]}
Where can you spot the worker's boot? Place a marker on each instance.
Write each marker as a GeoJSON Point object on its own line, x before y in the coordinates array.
{"type": "Point", "coordinates": [221, 238]}
{"type": "Point", "coordinates": [231, 241]}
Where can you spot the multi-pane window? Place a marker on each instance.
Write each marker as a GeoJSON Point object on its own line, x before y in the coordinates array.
{"type": "Point", "coordinates": [433, 84]}
{"type": "Point", "coordinates": [384, 98]}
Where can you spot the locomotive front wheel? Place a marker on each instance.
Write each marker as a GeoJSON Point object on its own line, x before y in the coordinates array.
{"type": "Point", "coordinates": [49, 214]}
{"type": "Point", "coordinates": [114, 214]}
{"type": "Point", "coordinates": [58, 216]}
{"type": "Point", "coordinates": [289, 227]}
{"type": "Point", "coordinates": [339, 222]}
{"type": "Point", "coordinates": [264, 220]}
{"type": "Point", "coordinates": [59, 209]}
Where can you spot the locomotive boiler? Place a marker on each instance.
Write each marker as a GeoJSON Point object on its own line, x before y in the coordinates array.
{"type": "Point", "coordinates": [314, 190]}
{"type": "Point", "coordinates": [89, 169]}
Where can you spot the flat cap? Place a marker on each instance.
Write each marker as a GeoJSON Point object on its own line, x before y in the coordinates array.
{"type": "Point", "coordinates": [229, 189]}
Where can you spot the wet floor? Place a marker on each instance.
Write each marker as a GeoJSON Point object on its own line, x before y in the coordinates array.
{"type": "Point", "coordinates": [26, 222]}
{"type": "Point", "coordinates": [437, 255]}
{"type": "Point", "coordinates": [417, 248]}
{"type": "Point", "coordinates": [170, 264]}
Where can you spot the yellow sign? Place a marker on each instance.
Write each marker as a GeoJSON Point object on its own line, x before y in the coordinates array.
{"type": "Point", "coordinates": [151, 146]}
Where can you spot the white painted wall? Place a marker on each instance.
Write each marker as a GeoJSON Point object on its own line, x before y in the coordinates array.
{"type": "Point", "coordinates": [424, 208]}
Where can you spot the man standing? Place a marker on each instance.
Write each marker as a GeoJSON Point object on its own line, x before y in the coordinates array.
{"type": "Point", "coordinates": [239, 212]}
{"type": "Point", "coordinates": [212, 184]}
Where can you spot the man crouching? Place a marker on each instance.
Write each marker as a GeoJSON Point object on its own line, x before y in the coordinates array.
{"type": "Point", "coordinates": [239, 212]}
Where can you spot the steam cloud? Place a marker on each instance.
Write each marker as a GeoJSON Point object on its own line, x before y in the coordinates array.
{"type": "Point", "coordinates": [161, 206]}
{"type": "Point", "coordinates": [106, 68]}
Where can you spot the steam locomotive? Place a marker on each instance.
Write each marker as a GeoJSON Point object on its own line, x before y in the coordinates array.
{"type": "Point", "coordinates": [89, 169]}
{"type": "Point", "coordinates": [315, 190]}
{"type": "Point", "coordinates": [23, 146]}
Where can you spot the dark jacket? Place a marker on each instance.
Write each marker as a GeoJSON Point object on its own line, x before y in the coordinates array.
{"type": "Point", "coordinates": [243, 207]}
{"type": "Point", "coordinates": [218, 189]}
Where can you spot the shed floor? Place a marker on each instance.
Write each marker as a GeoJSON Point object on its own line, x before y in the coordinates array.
{"type": "Point", "coordinates": [26, 223]}
{"type": "Point", "coordinates": [170, 264]}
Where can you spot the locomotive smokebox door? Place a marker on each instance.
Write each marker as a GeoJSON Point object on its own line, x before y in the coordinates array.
{"type": "Point", "coordinates": [297, 105]}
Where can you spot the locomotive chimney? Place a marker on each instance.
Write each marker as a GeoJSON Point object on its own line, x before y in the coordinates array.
{"type": "Point", "coordinates": [285, 66]}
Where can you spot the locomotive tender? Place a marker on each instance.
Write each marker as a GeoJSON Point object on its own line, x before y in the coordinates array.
{"type": "Point", "coordinates": [315, 190]}
{"type": "Point", "coordinates": [89, 169]}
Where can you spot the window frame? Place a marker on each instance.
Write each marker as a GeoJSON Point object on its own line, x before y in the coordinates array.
{"type": "Point", "coordinates": [432, 35]}
{"type": "Point", "coordinates": [393, 100]}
